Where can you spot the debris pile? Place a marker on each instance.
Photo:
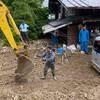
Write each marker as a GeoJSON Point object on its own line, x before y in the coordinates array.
{"type": "Point", "coordinates": [77, 82]}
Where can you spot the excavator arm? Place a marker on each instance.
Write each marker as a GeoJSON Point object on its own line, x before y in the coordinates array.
{"type": "Point", "coordinates": [5, 19]}
{"type": "Point", "coordinates": [25, 65]}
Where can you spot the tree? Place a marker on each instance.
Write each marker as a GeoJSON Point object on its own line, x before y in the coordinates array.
{"type": "Point", "coordinates": [31, 12]}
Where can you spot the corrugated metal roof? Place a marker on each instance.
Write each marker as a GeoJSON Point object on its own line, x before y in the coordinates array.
{"type": "Point", "coordinates": [57, 24]}
{"type": "Point", "coordinates": [48, 28]}
{"type": "Point", "coordinates": [81, 3]}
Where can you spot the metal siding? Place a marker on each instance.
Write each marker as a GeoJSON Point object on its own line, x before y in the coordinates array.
{"type": "Point", "coordinates": [75, 3]}
{"type": "Point", "coordinates": [81, 3]}
{"type": "Point", "coordinates": [66, 3]}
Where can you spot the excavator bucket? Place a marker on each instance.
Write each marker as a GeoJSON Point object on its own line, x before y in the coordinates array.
{"type": "Point", "coordinates": [24, 68]}
{"type": "Point", "coordinates": [25, 65]}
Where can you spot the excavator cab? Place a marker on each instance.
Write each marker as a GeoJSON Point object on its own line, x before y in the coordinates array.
{"type": "Point", "coordinates": [25, 65]}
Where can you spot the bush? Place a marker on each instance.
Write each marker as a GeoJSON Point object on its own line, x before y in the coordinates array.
{"type": "Point", "coordinates": [31, 12]}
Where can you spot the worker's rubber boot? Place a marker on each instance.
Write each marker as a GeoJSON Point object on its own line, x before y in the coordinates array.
{"type": "Point", "coordinates": [54, 78]}
{"type": "Point", "coordinates": [43, 78]}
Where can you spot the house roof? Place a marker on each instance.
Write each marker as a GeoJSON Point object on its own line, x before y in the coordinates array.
{"type": "Point", "coordinates": [49, 28]}
{"type": "Point", "coordinates": [80, 3]}
{"type": "Point", "coordinates": [52, 26]}
{"type": "Point", "coordinates": [57, 24]}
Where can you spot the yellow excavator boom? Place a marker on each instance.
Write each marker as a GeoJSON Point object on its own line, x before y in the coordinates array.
{"type": "Point", "coordinates": [25, 65]}
{"type": "Point", "coordinates": [5, 19]}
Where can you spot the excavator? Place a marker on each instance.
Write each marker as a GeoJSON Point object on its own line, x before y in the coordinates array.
{"type": "Point", "coordinates": [25, 65]}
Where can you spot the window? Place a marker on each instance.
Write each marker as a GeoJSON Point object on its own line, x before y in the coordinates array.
{"type": "Point", "coordinates": [97, 46]}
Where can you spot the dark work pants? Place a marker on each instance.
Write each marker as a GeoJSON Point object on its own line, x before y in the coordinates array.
{"type": "Point", "coordinates": [47, 66]}
{"type": "Point", "coordinates": [25, 36]}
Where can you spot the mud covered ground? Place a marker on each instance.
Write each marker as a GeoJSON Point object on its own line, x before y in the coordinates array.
{"type": "Point", "coordinates": [75, 81]}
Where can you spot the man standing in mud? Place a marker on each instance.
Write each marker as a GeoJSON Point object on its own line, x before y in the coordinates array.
{"type": "Point", "coordinates": [49, 57]}
{"type": "Point", "coordinates": [84, 39]}
{"type": "Point", "coordinates": [24, 31]}
{"type": "Point", "coordinates": [54, 38]}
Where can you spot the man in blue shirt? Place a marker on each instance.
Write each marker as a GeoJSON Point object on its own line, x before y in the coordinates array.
{"type": "Point", "coordinates": [54, 38]}
{"type": "Point", "coordinates": [49, 57]}
{"type": "Point", "coordinates": [84, 39]}
{"type": "Point", "coordinates": [24, 31]}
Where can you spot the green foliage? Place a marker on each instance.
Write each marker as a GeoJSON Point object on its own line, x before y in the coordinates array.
{"type": "Point", "coordinates": [40, 20]}
{"type": "Point", "coordinates": [5, 41]}
{"type": "Point", "coordinates": [31, 12]}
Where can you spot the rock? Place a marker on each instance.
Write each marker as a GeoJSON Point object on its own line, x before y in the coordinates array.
{"type": "Point", "coordinates": [85, 95]}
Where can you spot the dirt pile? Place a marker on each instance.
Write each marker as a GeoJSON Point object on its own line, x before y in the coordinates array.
{"type": "Point", "coordinates": [74, 82]}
